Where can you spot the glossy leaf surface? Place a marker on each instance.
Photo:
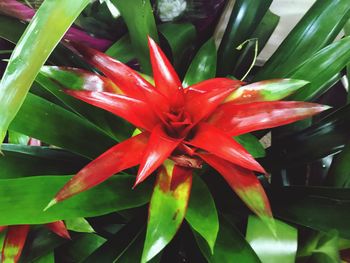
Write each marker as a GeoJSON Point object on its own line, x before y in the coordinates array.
{"type": "Point", "coordinates": [27, 197]}
{"type": "Point", "coordinates": [118, 158]}
{"type": "Point", "coordinates": [79, 224]}
{"type": "Point", "coordinates": [20, 161]}
{"type": "Point", "coordinates": [201, 212]}
{"type": "Point", "coordinates": [34, 48]}
{"type": "Point", "coordinates": [320, 68]}
{"type": "Point", "coordinates": [167, 208]}
{"type": "Point", "coordinates": [36, 111]}
{"type": "Point", "coordinates": [230, 245]}
{"type": "Point", "coordinates": [327, 19]}
{"type": "Point", "coordinates": [251, 144]}
{"type": "Point", "coordinates": [270, 248]}
{"type": "Point", "coordinates": [246, 185]}
{"type": "Point", "coordinates": [138, 16]}
{"type": "Point", "coordinates": [238, 119]}
{"type": "Point", "coordinates": [245, 17]}
{"type": "Point", "coordinates": [268, 90]}
{"type": "Point", "coordinates": [203, 65]}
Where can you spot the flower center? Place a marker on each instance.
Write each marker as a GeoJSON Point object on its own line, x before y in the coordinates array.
{"type": "Point", "coordinates": [176, 122]}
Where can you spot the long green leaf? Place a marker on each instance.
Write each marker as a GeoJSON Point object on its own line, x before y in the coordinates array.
{"type": "Point", "coordinates": [180, 38]}
{"type": "Point", "coordinates": [261, 34]}
{"type": "Point", "coordinates": [122, 50]}
{"type": "Point", "coordinates": [326, 137]}
{"type": "Point", "coordinates": [318, 28]}
{"type": "Point", "coordinates": [319, 208]}
{"type": "Point", "coordinates": [41, 36]}
{"type": "Point", "coordinates": [320, 68]}
{"type": "Point", "coordinates": [251, 144]}
{"type": "Point", "coordinates": [270, 248]}
{"type": "Point", "coordinates": [245, 17]}
{"type": "Point", "coordinates": [20, 161]}
{"type": "Point", "coordinates": [167, 208]}
{"type": "Point", "coordinates": [201, 212]}
{"type": "Point", "coordinates": [203, 66]}
{"type": "Point", "coordinates": [81, 137]}
{"type": "Point", "coordinates": [138, 16]}
{"type": "Point", "coordinates": [26, 198]}
{"type": "Point", "coordinates": [230, 245]}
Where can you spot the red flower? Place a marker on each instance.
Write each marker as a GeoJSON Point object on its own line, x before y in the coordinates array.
{"type": "Point", "coordinates": [189, 126]}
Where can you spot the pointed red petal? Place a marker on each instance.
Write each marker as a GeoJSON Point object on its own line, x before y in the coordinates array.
{"type": "Point", "coordinates": [244, 183]}
{"type": "Point", "coordinates": [159, 147]}
{"type": "Point", "coordinates": [120, 157]}
{"type": "Point", "coordinates": [165, 77]}
{"type": "Point", "coordinates": [133, 110]}
{"type": "Point", "coordinates": [2, 228]}
{"type": "Point", "coordinates": [216, 142]}
{"type": "Point", "coordinates": [238, 119]}
{"type": "Point", "coordinates": [201, 105]}
{"type": "Point", "coordinates": [128, 80]}
{"type": "Point", "coordinates": [59, 228]}
{"type": "Point", "coordinates": [213, 84]}
{"type": "Point", "coordinates": [14, 242]}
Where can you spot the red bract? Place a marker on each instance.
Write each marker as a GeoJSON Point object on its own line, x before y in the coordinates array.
{"type": "Point", "coordinates": [188, 126]}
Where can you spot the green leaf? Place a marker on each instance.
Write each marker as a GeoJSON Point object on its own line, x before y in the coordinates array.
{"type": "Point", "coordinates": [80, 248]}
{"type": "Point", "coordinates": [203, 66]}
{"type": "Point", "coordinates": [230, 245]}
{"type": "Point", "coordinates": [262, 34]}
{"type": "Point", "coordinates": [339, 173]}
{"type": "Point", "coordinates": [319, 208]}
{"type": "Point", "coordinates": [317, 29]}
{"type": "Point", "coordinates": [79, 224]}
{"type": "Point", "coordinates": [18, 138]}
{"type": "Point", "coordinates": [138, 16]}
{"type": "Point", "coordinates": [325, 137]}
{"type": "Point", "coordinates": [11, 29]}
{"type": "Point", "coordinates": [251, 144]}
{"type": "Point", "coordinates": [36, 111]}
{"type": "Point", "coordinates": [27, 197]}
{"type": "Point", "coordinates": [245, 17]}
{"type": "Point", "coordinates": [20, 161]}
{"type": "Point", "coordinates": [167, 208]}
{"type": "Point", "coordinates": [122, 50]}
{"type": "Point", "coordinates": [201, 212]}
{"type": "Point", "coordinates": [320, 68]}
{"type": "Point", "coordinates": [271, 248]}
{"type": "Point", "coordinates": [117, 244]}
{"type": "Point", "coordinates": [180, 38]}
{"type": "Point", "coordinates": [322, 247]}
{"type": "Point", "coordinates": [52, 19]}
{"type": "Point", "coordinates": [48, 258]}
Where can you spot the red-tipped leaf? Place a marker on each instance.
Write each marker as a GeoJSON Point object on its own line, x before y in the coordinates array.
{"type": "Point", "coordinates": [59, 228]}
{"type": "Point", "coordinates": [14, 242]}
{"type": "Point", "coordinates": [79, 79]}
{"type": "Point", "coordinates": [218, 143]}
{"type": "Point", "coordinates": [2, 228]}
{"type": "Point", "coordinates": [213, 84]}
{"type": "Point", "coordinates": [165, 77]}
{"type": "Point", "coordinates": [245, 184]}
{"type": "Point", "coordinates": [133, 110]}
{"type": "Point", "coordinates": [167, 208]}
{"type": "Point", "coordinates": [159, 148]}
{"type": "Point", "coordinates": [243, 118]}
{"type": "Point", "coordinates": [128, 80]}
{"type": "Point", "coordinates": [267, 90]}
{"type": "Point", "coordinates": [120, 157]}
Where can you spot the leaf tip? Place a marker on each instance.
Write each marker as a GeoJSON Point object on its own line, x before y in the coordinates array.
{"type": "Point", "coordinates": [50, 204]}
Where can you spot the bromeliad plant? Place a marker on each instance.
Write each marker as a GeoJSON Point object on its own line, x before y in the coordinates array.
{"type": "Point", "coordinates": [192, 135]}
{"type": "Point", "coordinates": [180, 128]}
